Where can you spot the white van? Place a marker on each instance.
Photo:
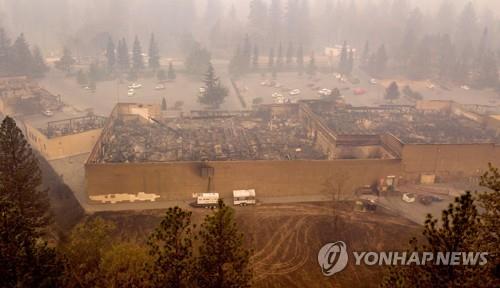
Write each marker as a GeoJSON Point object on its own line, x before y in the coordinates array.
{"type": "Point", "coordinates": [244, 197]}
{"type": "Point", "coordinates": [207, 200]}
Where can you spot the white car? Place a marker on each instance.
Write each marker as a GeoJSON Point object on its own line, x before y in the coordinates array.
{"type": "Point", "coordinates": [131, 92]}
{"type": "Point", "coordinates": [465, 87]}
{"type": "Point", "coordinates": [135, 86]}
{"type": "Point", "coordinates": [276, 95]}
{"type": "Point", "coordinates": [409, 197]}
{"type": "Point", "coordinates": [373, 81]}
{"type": "Point", "coordinates": [48, 113]}
{"type": "Point", "coordinates": [295, 92]}
{"type": "Point", "coordinates": [202, 90]}
{"type": "Point", "coordinates": [325, 92]}
{"type": "Point", "coordinates": [160, 87]}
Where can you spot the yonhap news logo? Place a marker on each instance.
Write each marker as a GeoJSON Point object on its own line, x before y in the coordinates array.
{"type": "Point", "coordinates": [334, 257]}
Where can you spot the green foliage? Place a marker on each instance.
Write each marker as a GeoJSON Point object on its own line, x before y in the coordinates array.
{"type": "Point", "coordinates": [110, 55]}
{"type": "Point", "coordinates": [392, 92]}
{"type": "Point", "coordinates": [66, 62]}
{"type": "Point", "coordinates": [123, 57]}
{"type": "Point", "coordinates": [215, 92]}
{"type": "Point", "coordinates": [171, 72]}
{"type": "Point", "coordinates": [163, 104]}
{"type": "Point", "coordinates": [137, 58]}
{"type": "Point", "coordinates": [82, 78]}
{"type": "Point", "coordinates": [123, 265]}
{"type": "Point", "coordinates": [25, 259]}
{"type": "Point", "coordinates": [311, 68]}
{"type": "Point", "coordinates": [223, 261]}
{"type": "Point", "coordinates": [154, 54]}
{"type": "Point", "coordinates": [84, 250]}
{"type": "Point", "coordinates": [171, 248]}
{"type": "Point", "coordinates": [198, 60]}
{"type": "Point", "coordinates": [39, 66]}
{"type": "Point", "coordinates": [161, 75]}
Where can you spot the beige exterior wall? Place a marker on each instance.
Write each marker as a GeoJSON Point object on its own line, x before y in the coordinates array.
{"type": "Point", "coordinates": [178, 181]}
{"type": "Point", "coordinates": [62, 147]}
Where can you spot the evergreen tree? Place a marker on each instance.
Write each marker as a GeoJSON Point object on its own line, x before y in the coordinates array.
{"type": "Point", "coordinates": [488, 74]}
{"type": "Point", "coordinates": [246, 55]}
{"type": "Point", "coordinates": [236, 63]}
{"type": "Point", "coordinates": [279, 59]}
{"type": "Point", "coordinates": [22, 57]}
{"type": "Point", "coordinates": [366, 55]}
{"type": "Point", "coordinates": [198, 60]}
{"type": "Point", "coordinates": [171, 247]}
{"type": "Point", "coordinates": [171, 72]}
{"type": "Point", "coordinates": [300, 60]}
{"type": "Point", "coordinates": [154, 54]}
{"type": "Point", "coordinates": [255, 58]}
{"type": "Point", "coordinates": [350, 62]}
{"type": "Point", "coordinates": [222, 261]}
{"type": "Point", "coordinates": [5, 52]}
{"type": "Point", "coordinates": [459, 226]}
{"type": "Point", "coordinates": [311, 68]}
{"type": "Point", "coordinates": [392, 92]}
{"type": "Point", "coordinates": [110, 55]}
{"type": "Point", "coordinates": [66, 62]}
{"type": "Point", "coordinates": [270, 62]}
{"type": "Point", "coordinates": [161, 75]}
{"type": "Point", "coordinates": [163, 104]}
{"type": "Point", "coordinates": [379, 62]}
{"type": "Point", "coordinates": [215, 92]}
{"type": "Point", "coordinates": [137, 59]}
{"type": "Point", "coordinates": [289, 54]}
{"type": "Point", "coordinates": [25, 259]}
{"type": "Point", "coordinates": [82, 78]}
{"type": "Point", "coordinates": [39, 65]}
{"type": "Point", "coordinates": [123, 56]}
{"type": "Point", "coordinates": [419, 64]}
{"type": "Point", "coordinates": [343, 62]}
{"type": "Point", "coordinates": [275, 22]}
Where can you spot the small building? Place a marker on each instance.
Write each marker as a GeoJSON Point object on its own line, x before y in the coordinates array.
{"type": "Point", "coordinates": [57, 139]}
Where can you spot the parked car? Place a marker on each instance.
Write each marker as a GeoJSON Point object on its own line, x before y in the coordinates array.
{"type": "Point", "coordinates": [295, 92]}
{"type": "Point", "coordinates": [408, 197]}
{"type": "Point", "coordinates": [135, 86]}
{"type": "Point", "coordinates": [373, 81]}
{"type": "Point", "coordinates": [48, 113]}
{"type": "Point", "coordinates": [160, 87]}
{"type": "Point", "coordinates": [131, 92]}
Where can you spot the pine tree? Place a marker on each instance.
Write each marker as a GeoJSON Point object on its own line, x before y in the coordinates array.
{"type": "Point", "coordinates": [279, 59]}
{"type": "Point", "coordinates": [22, 57]}
{"type": "Point", "coordinates": [66, 62]}
{"type": "Point", "coordinates": [380, 61]}
{"type": "Point", "coordinates": [246, 55]}
{"type": "Point", "coordinates": [392, 92]}
{"type": "Point", "coordinates": [163, 104]}
{"type": "Point", "coordinates": [5, 52]}
{"type": "Point", "coordinates": [255, 58]}
{"type": "Point", "coordinates": [222, 261]}
{"type": "Point", "coordinates": [110, 55]}
{"type": "Point", "coordinates": [137, 59]}
{"type": "Point", "coordinates": [123, 56]}
{"type": "Point", "coordinates": [343, 63]}
{"type": "Point", "coordinates": [289, 54]}
{"type": "Point", "coordinates": [311, 68]}
{"type": "Point", "coordinates": [300, 60]}
{"type": "Point", "coordinates": [270, 62]}
{"type": "Point", "coordinates": [488, 74]}
{"type": "Point", "coordinates": [39, 65]}
{"type": "Point", "coordinates": [198, 60]}
{"type": "Point", "coordinates": [215, 92]}
{"type": "Point", "coordinates": [171, 247]}
{"type": "Point", "coordinates": [350, 62]}
{"type": "Point", "coordinates": [171, 72]}
{"type": "Point", "coordinates": [161, 75]}
{"type": "Point", "coordinates": [25, 259]}
{"type": "Point", "coordinates": [154, 54]}
{"type": "Point", "coordinates": [366, 55]}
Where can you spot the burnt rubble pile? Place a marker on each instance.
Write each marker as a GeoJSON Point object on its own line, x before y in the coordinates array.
{"type": "Point", "coordinates": [73, 126]}
{"type": "Point", "coordinates": [214, 139]}
{"type": "Point", "coordinates": [413, 127]}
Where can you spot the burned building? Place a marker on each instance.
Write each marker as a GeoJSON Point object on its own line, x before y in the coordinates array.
{"type": "Point", "coordinates": [291, 150]}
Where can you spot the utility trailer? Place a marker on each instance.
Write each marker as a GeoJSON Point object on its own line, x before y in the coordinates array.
{"type": "Point", "coordinates": [244, 197]}
{"type": "Point", "coordinates": [206, 200]}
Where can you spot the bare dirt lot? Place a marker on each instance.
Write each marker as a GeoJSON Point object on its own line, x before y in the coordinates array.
{"type": "Point", "coordinates": [286, 238]}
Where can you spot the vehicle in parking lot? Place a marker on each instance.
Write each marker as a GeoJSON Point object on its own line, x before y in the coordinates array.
{"type": "Point", "coordinates": [295, 92]}
{"type": "Point", "coordinates": [135, 86]}
{"type": "Point", "coordinates": [131, 92]}
{"type": "Point", "coordinates": [48, 113]}
{"type": "Point", "coordinates": [408, 197]}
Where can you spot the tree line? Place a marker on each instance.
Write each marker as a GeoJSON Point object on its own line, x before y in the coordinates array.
{"type": "Point", "coordinates": [19, 59]}
{"type": "Point", "coordinates": [176, 254]}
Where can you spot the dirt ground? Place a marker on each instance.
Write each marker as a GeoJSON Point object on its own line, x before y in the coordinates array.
{"type": "Point", "coordinates": [286, 238]}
